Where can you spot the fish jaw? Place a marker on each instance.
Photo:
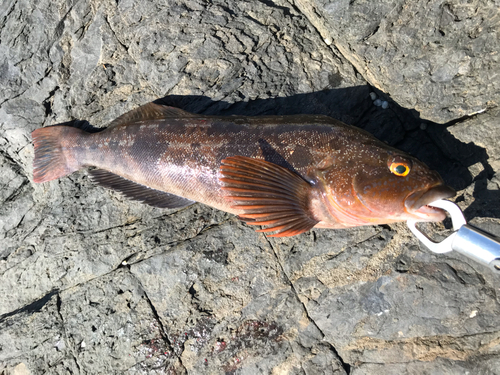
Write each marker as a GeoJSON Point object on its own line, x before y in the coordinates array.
{"type": "Point", "coordinates": [416, 204]}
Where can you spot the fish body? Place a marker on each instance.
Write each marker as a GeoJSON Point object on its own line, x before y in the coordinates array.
{"type": "Point", "coordinates": [291, 173]}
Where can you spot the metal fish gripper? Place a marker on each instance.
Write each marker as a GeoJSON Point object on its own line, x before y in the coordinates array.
{"type": "Point", "coordinates": [474, 243]}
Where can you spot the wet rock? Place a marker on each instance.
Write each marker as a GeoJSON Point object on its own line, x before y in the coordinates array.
{"type": "Point", "coordinates": [91, 282]}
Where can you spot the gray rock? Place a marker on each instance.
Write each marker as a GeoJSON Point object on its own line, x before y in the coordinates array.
{"type": "Point", "coordinates": [439, 366]}
{"type": "Point", "coordinates": [423, 53]}
{"type": "Point", "coordinates": [93, 283]}
{"type": "Point", "coordinates": [33, 340]}
{"type": "Point", "coordinates": [482, 130]}
{"type": "Point", "coordinates": [219, 316]}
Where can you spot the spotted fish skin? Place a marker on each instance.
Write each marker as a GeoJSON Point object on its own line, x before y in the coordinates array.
{"type": "Point", "coordinates": [157, 149]}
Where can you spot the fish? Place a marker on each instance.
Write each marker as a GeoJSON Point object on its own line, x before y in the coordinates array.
{"type": "Point", "coordinates": [288, 174]}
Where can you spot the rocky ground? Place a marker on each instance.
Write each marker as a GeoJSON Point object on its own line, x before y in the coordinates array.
{"type": "Point", "coordinates": [92, 283]}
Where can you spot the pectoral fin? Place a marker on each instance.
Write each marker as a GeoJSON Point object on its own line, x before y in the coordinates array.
{"type": "Point", "coordinates": [267, 194]}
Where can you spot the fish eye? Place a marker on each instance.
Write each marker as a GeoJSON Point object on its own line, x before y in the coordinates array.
{"type": "Point", "coordinates": [399, 169]}
{"type": "Point", "coordinates": [399, 166]}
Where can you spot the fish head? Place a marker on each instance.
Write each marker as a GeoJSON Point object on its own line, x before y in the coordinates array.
{"type": "Point", "coordinates": [379, 186]}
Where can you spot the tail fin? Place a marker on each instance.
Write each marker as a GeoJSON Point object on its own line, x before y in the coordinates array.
{"type": "Point", "coordinates": [51, 158]}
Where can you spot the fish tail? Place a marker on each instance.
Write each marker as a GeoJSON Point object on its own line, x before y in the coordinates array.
{"type": "Point", "coordinates": [52, 159]}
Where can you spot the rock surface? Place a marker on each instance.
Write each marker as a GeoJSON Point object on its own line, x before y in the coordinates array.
{"type": "Point", "coordinates": [437, 57]}
{"type": "Point", "coordinates": [93, 283]}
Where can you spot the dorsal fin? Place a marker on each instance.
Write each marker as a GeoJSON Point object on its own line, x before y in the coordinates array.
{"type": "Point", "coordinates": [81, 124]}
{"type": "Point", "coordinates": [135, 191]}
{"type": "Point", "coordinates": [150, 111]}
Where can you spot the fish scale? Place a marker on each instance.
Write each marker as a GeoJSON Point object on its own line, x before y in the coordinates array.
{"type": "Point", "coordinates": [290, 173]}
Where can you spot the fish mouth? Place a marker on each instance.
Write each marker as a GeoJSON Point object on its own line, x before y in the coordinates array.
{"type": "Point", "coordinates": [417, 203]}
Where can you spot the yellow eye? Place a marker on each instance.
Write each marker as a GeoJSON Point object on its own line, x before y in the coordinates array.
{"type": "Point", "coordinates": [399, 165]}
{"type": "Point", "coordinates": [400, 169]}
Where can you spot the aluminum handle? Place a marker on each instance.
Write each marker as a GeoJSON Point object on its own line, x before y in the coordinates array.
{"type": "Point", "coordinates": [476, 244]}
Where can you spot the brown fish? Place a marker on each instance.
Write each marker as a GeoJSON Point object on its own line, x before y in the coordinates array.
{"type": "Point", "coordinates": [290, 173]}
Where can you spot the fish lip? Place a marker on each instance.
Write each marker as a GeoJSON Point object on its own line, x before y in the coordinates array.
{"type": "Point", "coordinates": [417, 202]}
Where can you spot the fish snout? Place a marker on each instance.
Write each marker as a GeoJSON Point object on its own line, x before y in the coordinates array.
{"type": "Point", "coordinates": [417, 202]}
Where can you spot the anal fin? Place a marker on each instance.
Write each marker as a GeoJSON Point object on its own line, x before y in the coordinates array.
{"type": "Point", "coordinates": [135, 191]}
{"type": "Point", "coordinates": [267, 194]}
